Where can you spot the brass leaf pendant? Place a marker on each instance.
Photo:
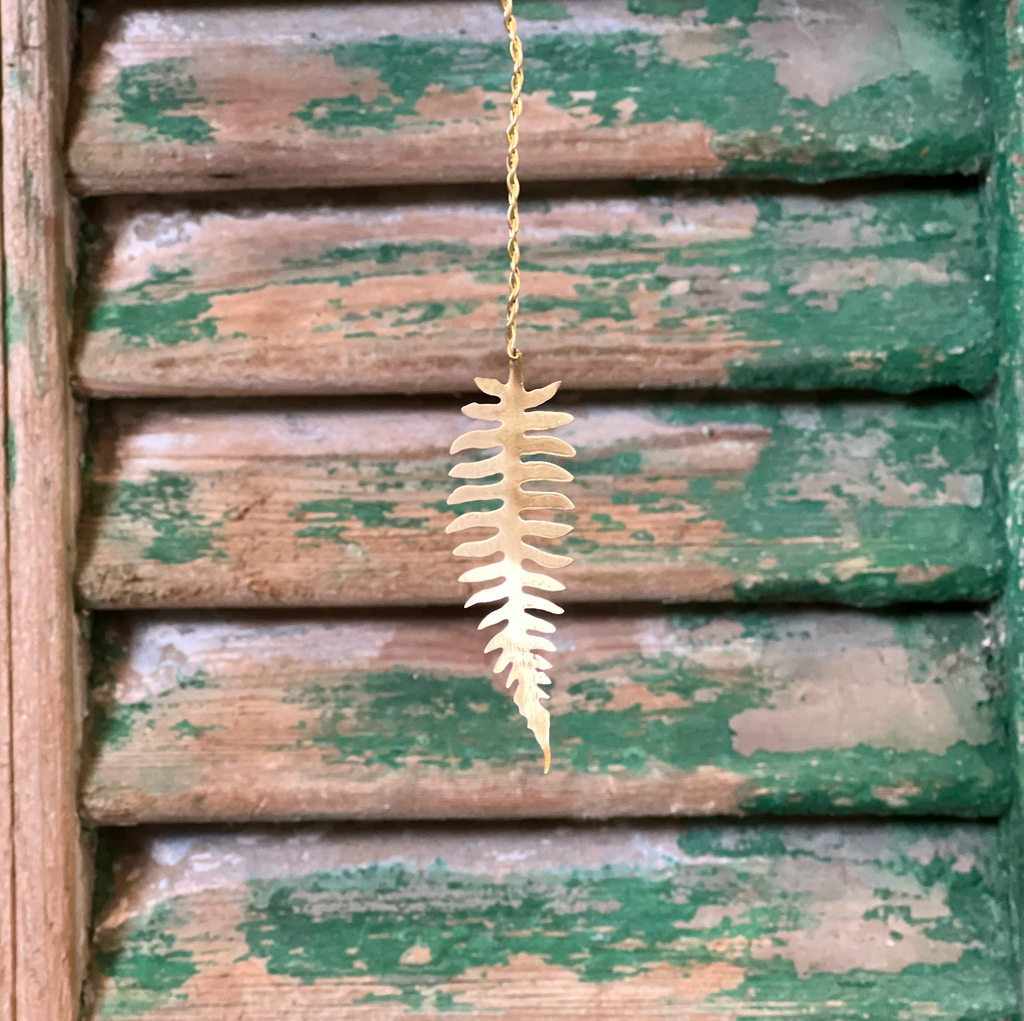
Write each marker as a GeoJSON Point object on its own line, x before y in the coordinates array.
{"type": "Point", "coordinates": [520, 649]}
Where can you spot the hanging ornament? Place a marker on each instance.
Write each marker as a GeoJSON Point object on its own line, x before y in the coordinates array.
{"type": "Point", "coordinates": [521, 638]}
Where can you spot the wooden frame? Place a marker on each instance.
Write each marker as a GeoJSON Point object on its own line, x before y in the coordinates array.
{"type": "Point", "coordinates": [1007, 70]}
{"type": "Point", "coordinates": [6, 748]}
{"type": "Point", "coordinates": [41, 859]}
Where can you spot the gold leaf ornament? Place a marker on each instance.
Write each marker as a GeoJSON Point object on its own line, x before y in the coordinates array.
{"type": "Point", "coordinates": [521, 648]}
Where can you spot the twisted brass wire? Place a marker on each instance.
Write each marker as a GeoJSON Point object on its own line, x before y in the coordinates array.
{"type": "Point", "coordinates": [515, 48]}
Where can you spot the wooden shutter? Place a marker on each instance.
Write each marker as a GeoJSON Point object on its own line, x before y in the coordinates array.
{"type": "Point", "coordinates": [771, 250]}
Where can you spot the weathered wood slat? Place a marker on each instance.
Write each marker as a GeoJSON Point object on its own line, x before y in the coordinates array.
{"type": "Point", "coordinates": [234, 505]}
{"type": "Point", "coordinates": [788, 922]}
{"type": "Point", "coordinates": [891, 291]}
{"type": "Point", "coordinates": [7, 903]}
{"type": "Point", "coordinates": [221, 97]}
{"type": "Point", "coordinates": [237, 718]}
{"type": "Point", "coordinates": [50, 907]}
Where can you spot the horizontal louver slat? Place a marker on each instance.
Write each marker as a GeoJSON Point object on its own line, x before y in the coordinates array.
{"type": "Point", "coordinates": [221, 96]}
{"type": "Point", "coordinates": [196, 719]}
{"type": "Point", "coordinates": [890, 291]}
{"type": "Point", "coordinates": [787, 922]}
{"type": "Point", "coordinates": [197, 504]}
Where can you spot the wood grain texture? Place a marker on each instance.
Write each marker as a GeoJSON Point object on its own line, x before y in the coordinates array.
{"type": "Point", "coordinates": [7, 997]}
{"type": "Point", "coordinates": [209, 719]}
{"type": "Point", "coordinates": [345, 504]}
{"type": "Point", "coordinates": [787, 290]}
{"type": "Point", "coordinates": [38, 243]}
{"type": "Point", "coordinates": [179, 98]}
{"type": "Point", "coordinates": [792, 922]}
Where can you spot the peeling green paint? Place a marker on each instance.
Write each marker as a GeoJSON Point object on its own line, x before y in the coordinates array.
{"type": "Point", "coordinates": [865, 502]}
{"type": "Point", "coordinates": [664, 8]}
{"type": "Point", "coordinates": [738, 96]}
{"type": "Point", "coordinates": [162, 503]}
{"type": "Point", "coordinates": [140, 319]}
{"type": "Point", "coordinates": [154, 94]}
{"type": "Point", "coordinates": [383, 253]}
{"type": "Point", "coordinates": [433, 937]}
{"type": "Point", "coordinates": [1006, 195]}
{"type": "Point", "coordinates": [602, 925]}
{"type": "Point", "coordinates": [149, 967]}
{"type": "Point", "coordinates": [886, 290]}
{"type": "Point", "coordinates": [185, 729]}
{"type": "Point", "coordinates": [369, 514]}
{"type": "Point", "coordinates": [786, 496]}
{"type": "Point", "coordinates": [112, 723]}
{"type": "Point", "coordinates": [540, 10]}
{"type": "Point", "coordinates": [404, 715]}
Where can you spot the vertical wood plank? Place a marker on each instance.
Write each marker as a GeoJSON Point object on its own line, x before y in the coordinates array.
{"type": "Point", "coordinates": [36, 221]}
{"type": "Point", "coordinates": [6, 761]}
{"type": "Point", "coordinates": [1006, 68]}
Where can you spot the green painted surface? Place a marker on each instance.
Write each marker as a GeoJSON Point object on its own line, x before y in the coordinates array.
{"type": "Point", "coordinates": [862, 502]}
{"type": "Point", "coordinates": [402, 718]}
{"type": "Point", "coordinates": [1006, 195]}
{"type": "Point", "coordinates": [151, 969]}
{"type": "Point", "coordinates": [934, 103]}
{"type": "Point", "coordinates": [330, 515]}
{"type": "Point", "coordinates": [154, 95]}
{"type": "Point", "coordinates": [909, 323]}
{"type": "Point", "coordinates": [907, 95]}
{"type": "Point", "coordinates": [281, 919]}
{"type": "Point", "coordinates": [141, 320]}
{"type": "Point", "coordinates": [163, 503]}
{"type": "Point", "coordinates": [886, 290]}
{"type": "Point", "coordinates": [185, 729]}
{"type": "Point", "coordinates": [728, 905]}
{"type": "Point", "coordinates": [785, 498]}
{"type": "Point", "coordinates": [540, 10]}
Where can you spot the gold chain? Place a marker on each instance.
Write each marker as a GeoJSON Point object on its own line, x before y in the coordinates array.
{"type": "Point", "coordinates": [515, 47]}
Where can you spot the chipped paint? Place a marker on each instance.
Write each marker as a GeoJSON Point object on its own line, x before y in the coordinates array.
{"type": "Point", "coordinates": [886, 291]}
{"type": "Point", "coordinates": [1006, 53]}
{"type": "Point", "coordinates": [204, 505]}
{"type": "Point", "coordinates": [153, 95]}
{"type": "Point", "coordinates": [869, 920]}
{"type": "Point", "coordinates": [177, 535]}
{"type": "Point", "coordinates": [661, 714]}
{"type": "Point", "coordinates": [615, 91]}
